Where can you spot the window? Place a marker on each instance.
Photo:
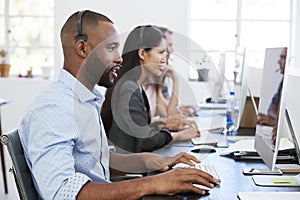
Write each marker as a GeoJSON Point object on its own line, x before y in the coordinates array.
{"type": "Point", "coordinates": [28, 34]}
{"type": "Point", "coordinates": [225, 25]}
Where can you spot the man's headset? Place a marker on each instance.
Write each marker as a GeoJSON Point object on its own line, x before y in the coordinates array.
{"type": "Point", "coordinates": [80, 35]}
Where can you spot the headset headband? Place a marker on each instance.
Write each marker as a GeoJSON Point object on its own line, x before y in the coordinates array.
{"type": "Point", "coordinates": [80, 35]}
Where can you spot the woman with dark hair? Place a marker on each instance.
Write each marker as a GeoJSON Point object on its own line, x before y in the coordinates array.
{"type": "Point", "coordinates": [126, 112]}
{"type": "Point", "coordinates": [163, 101]}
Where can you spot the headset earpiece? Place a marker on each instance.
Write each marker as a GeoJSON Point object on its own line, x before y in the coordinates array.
{"type": "Point", "coordinates": [80, 35]}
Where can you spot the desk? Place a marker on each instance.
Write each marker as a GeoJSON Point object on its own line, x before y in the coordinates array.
{"type": "Point", "coordinates": [2, 102]}
{"type": "Point", "coordinates": [229, 170]}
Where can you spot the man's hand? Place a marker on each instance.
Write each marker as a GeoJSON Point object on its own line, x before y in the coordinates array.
{"type": "Point", "coordinates": [181, 179]}
{"type": "Point", "coordinates": [164, 163]}
{"type": "Point", "coordinates": [266, 119]}
{"type": "Point", "coordinates": [168, 183]}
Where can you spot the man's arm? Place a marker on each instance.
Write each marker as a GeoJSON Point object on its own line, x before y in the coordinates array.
{"type": "Point", "coordinates": [144, 162]}
{"type": "Point", "coordinates": [266, 119]}
{"type": "Point", "coordinates": [167, 183]}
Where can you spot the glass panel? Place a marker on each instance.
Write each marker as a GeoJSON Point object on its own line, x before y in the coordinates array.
{"type": "Point", "coordinates": [266, 9]}
{"type": "Point", "coordinates": [213, 9]}
{"type": "Point", "coordinates": [28, 31]}
{"type": "Point", "coordinates": [22, 59]}
{"type": "Point", "coordinates": [31, 7]}
{"type": "Point", "coordinates": [260, 35]}
{"type": "Point", "coordinates": [214, 35]}
{"type": "Point", "coordinates": [2, 37]}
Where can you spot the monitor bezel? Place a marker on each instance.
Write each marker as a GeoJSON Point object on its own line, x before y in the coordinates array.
{"type": "Point", "coordinates": [292, 132]}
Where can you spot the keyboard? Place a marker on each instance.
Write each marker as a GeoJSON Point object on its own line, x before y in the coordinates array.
{"type": "Point", "coordinates": [210, 169]}
{"type": "Point", "coordinates": [288, 168]}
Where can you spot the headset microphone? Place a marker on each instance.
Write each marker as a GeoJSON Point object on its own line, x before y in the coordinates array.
{"type": "Point", "coordinates": [120, 66]}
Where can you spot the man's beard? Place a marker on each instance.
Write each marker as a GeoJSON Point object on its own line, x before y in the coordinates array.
{"type": "Point", "coordinates": [104, 80]}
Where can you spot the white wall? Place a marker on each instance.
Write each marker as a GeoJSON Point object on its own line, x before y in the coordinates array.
{"type": "Point", "coordinates": [125, 15]}
{"type": "Point", "coordinates": [295, 44]}
{"type": "Point", "coordinates": [21, 93]}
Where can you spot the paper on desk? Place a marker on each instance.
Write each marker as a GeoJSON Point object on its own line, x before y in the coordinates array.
{"type": "Point", "coordinates": [242, 145]}
{"type": "Point", "coordinates": [269, 195]}
{"type": "Point", "coordinates": [248, 146]}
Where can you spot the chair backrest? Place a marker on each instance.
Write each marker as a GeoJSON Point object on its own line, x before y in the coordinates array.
{"type": "Point", "coordinates": [20, 169]}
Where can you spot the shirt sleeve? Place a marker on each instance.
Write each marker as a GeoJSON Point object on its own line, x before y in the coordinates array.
{"type": "Point", "coordinates": [50, 153]}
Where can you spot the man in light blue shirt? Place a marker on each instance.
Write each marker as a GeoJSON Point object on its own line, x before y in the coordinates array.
{"type": "Point", "coordinates": [62, 134]}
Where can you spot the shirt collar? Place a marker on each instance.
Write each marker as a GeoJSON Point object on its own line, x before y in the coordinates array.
{"type": "Point", "coordinates": [78, 88]}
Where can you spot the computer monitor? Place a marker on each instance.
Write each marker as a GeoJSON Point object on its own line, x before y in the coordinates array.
{"type": "Point", "coordinates": [218, 80]}
{"type": "Point", "coordinates": [271, 81]}
{"type": "Point", "coordinates": [253, 102]}
{"type": "Point", "coordinates": [240, 90]}
{"type": "Point", "coordinates": [287, 126]}
{"type": "Point", "coordinates": [295, 136]}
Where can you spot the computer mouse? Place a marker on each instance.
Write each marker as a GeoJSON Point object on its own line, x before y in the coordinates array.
{"type": "Point", "coordinates": [208, 100]}
{"type": "Point", "coordinates": [203, 149]}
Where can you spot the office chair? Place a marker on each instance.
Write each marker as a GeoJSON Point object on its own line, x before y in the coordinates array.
{"type": "Point", "coordinates": [19, 169]}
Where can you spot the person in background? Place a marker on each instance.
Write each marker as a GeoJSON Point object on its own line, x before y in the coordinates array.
{"type": "Point", "coordinates": [164, 101]}
{"type": "Point", "coordinates": [130, 128]}
{"type": "Point", "coordinates": [270, 119]}
{"type": "Point", "coordinates": [62, 136]}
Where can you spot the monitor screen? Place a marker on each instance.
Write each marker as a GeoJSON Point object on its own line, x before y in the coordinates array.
{"type": "Point", "coordinates": [270, 103]}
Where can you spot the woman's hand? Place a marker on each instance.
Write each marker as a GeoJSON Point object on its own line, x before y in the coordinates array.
{"type": "Point", "coordinates": [164, 163]}
{"type": "Point", "coordinates": [178, 122]}
{"type": "Point", "coordinates": [188, 111]}
{"type": "Point", "coordinates": [186, 134]}
{"type": "Point", "coordinates": [170, 72]}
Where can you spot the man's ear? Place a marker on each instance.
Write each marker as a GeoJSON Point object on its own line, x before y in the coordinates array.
{"type": "Point", "coordinates": [141, 53]}
{"type": "Point", "coordinates": [80, 48]}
